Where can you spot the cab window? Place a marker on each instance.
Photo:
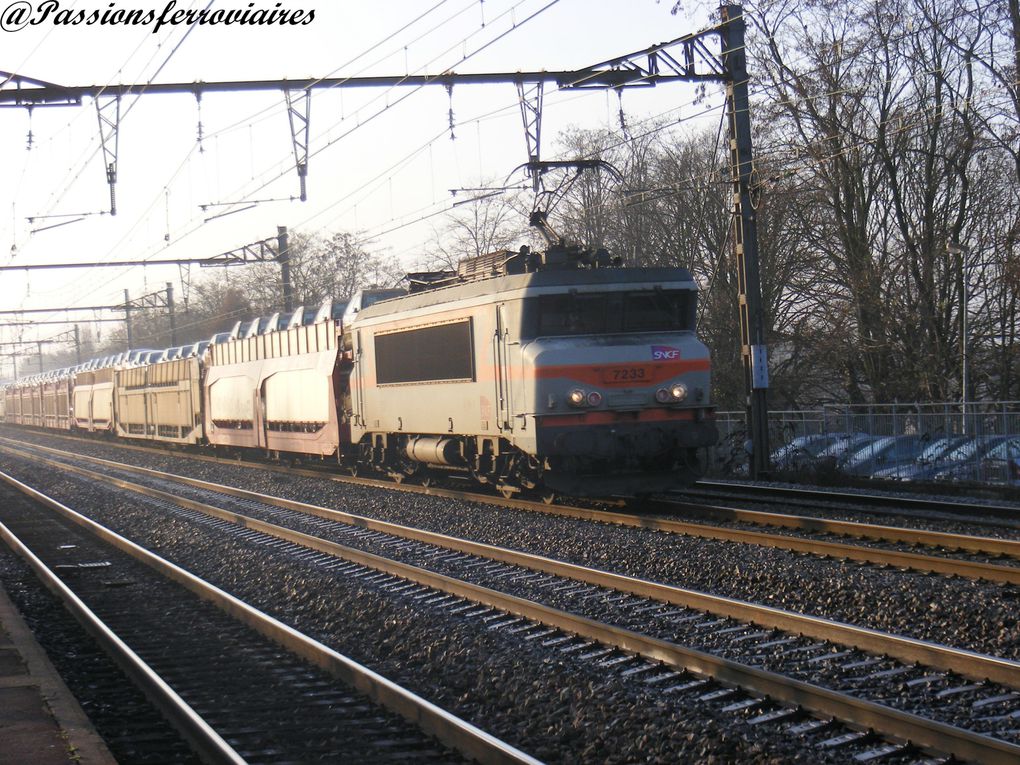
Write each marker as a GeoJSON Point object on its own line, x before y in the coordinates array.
{"type": "Point", "coordinates": [602, 313]}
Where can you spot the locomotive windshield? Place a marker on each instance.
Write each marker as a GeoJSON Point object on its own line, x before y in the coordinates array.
{"type": "Point", "coordinates": [601, 313]}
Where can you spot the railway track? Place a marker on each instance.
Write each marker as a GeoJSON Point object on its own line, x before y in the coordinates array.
{"type": "Point", "coordinates": [787, 496]}
{"type": "Point", "coordinates": [670, 621]}
{"type": "Point", "coordinates": [884, 545]}
{"type": "Point", "coordinates": [879, 504]}
{"type": "Point", "coordinates": [208, 660]}
{"type": "Point", "coordinates": [989, 558]}
{"type": "Point", "coordinates": [917, 537]}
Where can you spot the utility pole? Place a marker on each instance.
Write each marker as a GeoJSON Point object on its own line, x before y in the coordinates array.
{"type": "Point", "coordinates": [127, 318]}
{"type": "Point", "coordinates": [77, 345]}
{"type": "Point", "coordinates": [38, 349]}
{"type": "Point", "coordinates": [170, 310]}
{"type": "Point", "coordinates": [752, 323]}
{"type": "Point", "coordinates": [284, 258]}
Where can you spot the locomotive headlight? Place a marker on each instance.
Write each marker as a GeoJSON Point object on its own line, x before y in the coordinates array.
{"type": "Point", "coordinates": [662, 395]}
{"type": "Point", "coordinates": [577, 397]}
{"type": "Point", "coordinates": [678, 392]}
{"type": "Point", "coordinates": [594, 398]}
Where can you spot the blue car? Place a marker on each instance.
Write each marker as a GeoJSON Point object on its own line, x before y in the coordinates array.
{"type": "Point", "coordinates": [968, 461]}
{"type": "Point", "coordinates": [803, 450]}
{"type": "Point", "coordinates": [929, 461]}
{"type": "Point", "coordinates": [882, 453]}
{"type": "Point", "coordinates": [845, 444]}
{"type": "Point", "coordinates": [1001, 464]}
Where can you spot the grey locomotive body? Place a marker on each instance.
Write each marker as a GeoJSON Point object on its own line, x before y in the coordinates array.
{"type": "Point", "coordinates": [579, 381]}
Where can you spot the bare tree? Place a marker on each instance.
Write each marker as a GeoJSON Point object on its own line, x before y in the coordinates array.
{"type": "Point", "coordinates": [321, 267]}
{"type": "Point", "coordinates": [488, 222]}
{"type": "Point", "coordinates": [880, 117]}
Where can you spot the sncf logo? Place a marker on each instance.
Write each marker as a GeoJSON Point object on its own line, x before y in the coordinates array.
{"type": "Point", "coordinates": [663, 352]}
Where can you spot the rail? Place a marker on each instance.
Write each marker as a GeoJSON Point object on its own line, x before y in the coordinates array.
{"type": "Point", "coordinates": [471, 741]}
{"type": "Point", "coordinates": [872, 555]}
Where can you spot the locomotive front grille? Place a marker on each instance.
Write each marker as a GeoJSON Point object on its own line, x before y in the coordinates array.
{"type": "Point", "coordinates": [619, 400]}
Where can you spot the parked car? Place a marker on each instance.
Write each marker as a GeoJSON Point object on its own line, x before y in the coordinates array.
{"type": "Point", "coordinates": [967, 461]}
{"type": "Point", "coordinates": [790, 456]}
{"type": "Point", "coordinates": [881, 453]}
{"type": "Point", "coordinates": [929, 461]}
{"type": "Point", "coordinates": [1001, 463]}
{"type": "Point", "coordinates": [829, 457]}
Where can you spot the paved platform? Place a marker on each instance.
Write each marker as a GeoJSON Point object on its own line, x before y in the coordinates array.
{"type": "Point", "coordinates": [41, 722]}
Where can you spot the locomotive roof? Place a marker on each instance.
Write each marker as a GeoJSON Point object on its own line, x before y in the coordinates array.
{"type": "Point", "coordinates": [566, 278]}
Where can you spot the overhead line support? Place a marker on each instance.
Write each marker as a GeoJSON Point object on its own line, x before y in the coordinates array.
{"type": "Point", "coordinates": [55, 321]}
{"type": "Point", "coordinates": [256, 252]}
{"type": "Point", "coordinates": [61, 309]}
{"type": "Point", "coordinates": [108, 113]}
{"type": "Point", "coordinates": [283, 255]}
{"type": "Point", "coordinates": [647, 67]}
{"type": "Point", "coordinates": [530, 98]}
{"type": "Point", "coordinates": [298, 114]}
{"type": "Point", "coordinates": [745, 236]}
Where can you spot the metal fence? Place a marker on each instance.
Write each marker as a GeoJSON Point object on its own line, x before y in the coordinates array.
{"type": "Point", "coordinates": [900, 441]}
{"type": "Point", "coordinates": [729, 456]}
{"type": "Point", "coordinates": [983, 418]}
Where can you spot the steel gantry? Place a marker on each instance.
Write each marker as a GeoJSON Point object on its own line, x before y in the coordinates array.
{"type": "Point", "coordinates": [261, 251]}
{"type": "Point", "coordinates": [256, 252]}
{"type": "Point", "coordinates": [715, 54]}
{"type": "Point", "coordinates": [71, 335]}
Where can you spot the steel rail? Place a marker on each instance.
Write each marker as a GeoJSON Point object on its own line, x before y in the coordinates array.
{"type": "Point", "coordinates": [900, 559]}
{"type": "Point", "coordinates": [460, 735]}
{"type": "Point", "coordinates": [923, 732]}
{"type": "Point", "coordinates": [828, 495]}
{"type": "Point", "coordinates": [909, 650]}
{"type": "Point", "coordinates": [196, 731]}
{"type": "Point", "coordinates": [879, 532]}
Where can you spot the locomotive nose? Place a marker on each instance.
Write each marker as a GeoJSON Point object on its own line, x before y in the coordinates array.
{"type": "Point", "coordinates": [628, 375]}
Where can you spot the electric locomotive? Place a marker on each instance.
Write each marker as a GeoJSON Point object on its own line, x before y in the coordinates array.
{"type": "Point", "coordinates": [557, 370]}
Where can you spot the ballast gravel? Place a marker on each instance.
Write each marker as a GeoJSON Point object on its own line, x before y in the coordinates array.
{"type": "Point", "coordinates": [977, 616]}
{"type": "Point", "coordinates": [918, 691]}
{"type": "Point", "coordinates": [556, 707]}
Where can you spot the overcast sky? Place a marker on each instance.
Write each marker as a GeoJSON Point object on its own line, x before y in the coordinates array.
{"type": "Point", "coordinates": [376, 164]}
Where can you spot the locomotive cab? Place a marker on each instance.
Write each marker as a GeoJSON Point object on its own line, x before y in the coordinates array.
{"type": "Point", "coordinates": [621, 384]}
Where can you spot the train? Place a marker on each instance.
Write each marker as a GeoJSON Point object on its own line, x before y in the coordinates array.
{"type": "Point", "coordinates": [556, 372]}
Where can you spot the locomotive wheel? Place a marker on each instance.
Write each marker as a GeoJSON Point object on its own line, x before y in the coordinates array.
{"type": "Point", "coordinates": [548, 497]}
{"type": "Point", "coordinates": [507, 492]}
